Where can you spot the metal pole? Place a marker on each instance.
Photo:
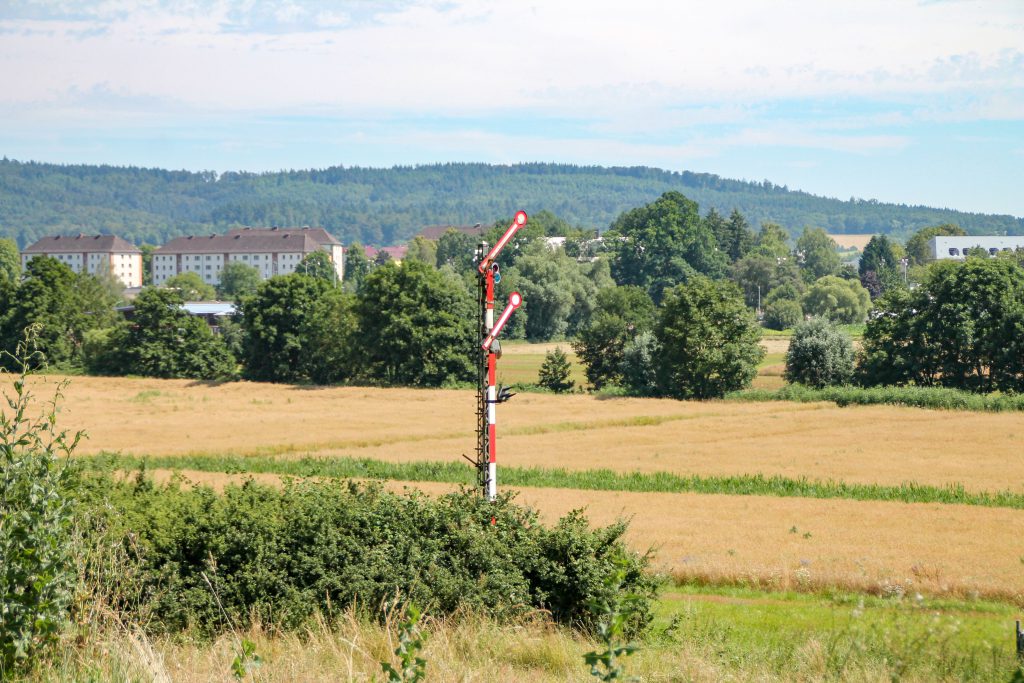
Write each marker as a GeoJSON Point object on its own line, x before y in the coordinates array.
{"type": "Point", "coordinates": [492, 397]}
{"type": "Point", "coordinates": [484, 406]}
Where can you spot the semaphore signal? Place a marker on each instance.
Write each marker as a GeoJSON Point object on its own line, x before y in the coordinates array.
{"type": "Point", "coordinates": [488, 396]}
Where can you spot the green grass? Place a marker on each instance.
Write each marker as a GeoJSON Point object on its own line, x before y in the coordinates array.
{"type": "Point", "coordinates": [456, 472]}
{"type": "Point", "coordinates": [523, 368]}
{"type": "Point", "coordinates": [854, 331]}
{"type": "Point", "coordinates": [845, 633]}
{"type": "Point", "coordinates": [916, 397]}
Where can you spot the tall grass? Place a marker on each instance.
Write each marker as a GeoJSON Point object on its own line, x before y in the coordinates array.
{"type": "Point", "coordinates": [918, 397]}
{"type": "Point", "coordinates": [588, 480]}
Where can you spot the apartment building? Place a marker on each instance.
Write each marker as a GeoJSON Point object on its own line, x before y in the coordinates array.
{"type": "Point", "coordinates": [956, 247]}
{"type": "Point", "coordinates": [93, 254]}
{"type": "Point", "coordinates": [272, 251]}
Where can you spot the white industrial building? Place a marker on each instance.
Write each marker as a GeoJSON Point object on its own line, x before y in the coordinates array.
{"type": "Point", "coordinates": [94, 254]}
{"type": "Point", "coordinates": [956, 247]}
{"type": "Point", "coordinates": [272, 251]}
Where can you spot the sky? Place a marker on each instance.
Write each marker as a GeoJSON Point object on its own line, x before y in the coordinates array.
{"type": "Point", "coordinates": [910, 102]}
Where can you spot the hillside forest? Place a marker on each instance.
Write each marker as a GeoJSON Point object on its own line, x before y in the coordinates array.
{"type": "Point", "coordinates": [379, 206]}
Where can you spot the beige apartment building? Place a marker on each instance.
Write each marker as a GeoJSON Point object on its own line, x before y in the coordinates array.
{"type": "Point", "coordinates": [272, 251]}
{"type": "Point", "coordinates": [93, 254]}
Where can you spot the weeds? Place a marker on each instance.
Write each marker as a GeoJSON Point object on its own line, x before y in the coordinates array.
{"type": "Point", "coordinates": [915, 397]}
{"type": "Point", "coordinates": [410, 643]}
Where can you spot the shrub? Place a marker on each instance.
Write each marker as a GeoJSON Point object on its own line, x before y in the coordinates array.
{"type": "Point", "coordinates": [844, 301]}
{"type": "Point", "coordinates": [819, 355]}
{"type": "Point", "coordinates": [284, 555]}
{"type": "Point", "coordinates": [638, 365]}
{"type": "Point", "coordinates": [37, 567]}
{"type": "Point", "coordinates": [554, 372]}
{"type": "Point", "coordinates": [783, 314]}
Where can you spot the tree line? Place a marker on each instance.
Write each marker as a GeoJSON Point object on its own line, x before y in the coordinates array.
{"type": "Point", "coordinates": [666, 303]}
{"type": "Point", "coordinates": [389, 206]}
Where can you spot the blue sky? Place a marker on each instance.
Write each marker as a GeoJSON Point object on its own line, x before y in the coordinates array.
{"type": "Point", "coordinates": [912, 102]}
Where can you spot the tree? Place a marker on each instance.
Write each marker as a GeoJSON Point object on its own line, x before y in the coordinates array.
{"type": "Point", "coordinates": [557, 297]}
{"type": "Point", "coordinates": [839, 300]}
{"type": "Point", "coordinates": [917, 246]}
{"type": "Point", "coordinates": [318, 265]}
{"type": "Point", "coordinates": [417, 326]}
{"type": "Point", "coordinates": [422, 249]}
{"type": "Point", "coordinates": [292, 326]}
{"type": "Point", "coordinates": [238, 280]}
{"type": "Point", "coordinates": [63, 305]}
{"type": "Point", "coordinates": [147, 263]}
{"type": "Point", "coordinates": [709, 340]}
{"type": "Point", "coordinates": [356, 266]}
{"type": "Point", "coordinates": [620, 315]}
{"type": "Point", "coordinates": [163, 340]}
{"type": "Point", "coordinates": [772, 241]}
{"type": "Point", "coordinates": [782, 314]}
{"type": "Point", "coordinates": [191, 287]}
{"type": "Point", "coordinates": [639, 368]}
{"type": "Point", "coordinates": [879, 266]}
{"type": "Point", "coordinates": [817, 255]}
{"type": "Point", "coordinates": [819, 355]}
{"type": "Point", "coordinates": [662, 244]}
{"type": "Point", "coordinates": [10, 260]}
{"type": "Point", "coordinates": [739, 239]}
{"type": "Point", "coordinates": [554, 372]}
{"type": "Point", "coordinates": [456, 249]}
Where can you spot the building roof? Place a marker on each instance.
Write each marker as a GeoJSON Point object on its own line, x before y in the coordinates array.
{"type": "Point", "coordinates": [319, 234]}
{"type": "Point", "coordinates": [60, 244]}
{"type": "Point", "coordinates": [257, 241]}
{"type": "Point", "coordinates": [434, 232]}
{"type": "Point", "coordinates": [396, 253]}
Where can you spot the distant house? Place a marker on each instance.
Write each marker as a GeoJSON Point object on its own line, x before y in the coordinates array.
{"type": "Point", "coordinates": [435, 232]}
{"type": "Point", "coordinates": [210, 311]}
{"type": "Point", "coordinates": [92, 254]}
{"type": "Point", "coordinates": [272, 251]}
{"type": "Point", "coordinates": [956, 247]}
{"type": "Point", "coordinates": [396, 253]}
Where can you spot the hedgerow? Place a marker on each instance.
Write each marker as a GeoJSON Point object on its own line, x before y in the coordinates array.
{"type": "Point", "coordinates": [284, 555]}
{"type": "Point", "coordinates": [917, 397]}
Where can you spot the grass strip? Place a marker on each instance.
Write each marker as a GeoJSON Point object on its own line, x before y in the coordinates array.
{"type": "Point", "coordinates": [588, 480]}
{"type": "Point", "coordinates": [939, 398]}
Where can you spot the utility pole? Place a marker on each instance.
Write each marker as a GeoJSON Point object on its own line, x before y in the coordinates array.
{"type": "Point", "coordinates": [488, 396]}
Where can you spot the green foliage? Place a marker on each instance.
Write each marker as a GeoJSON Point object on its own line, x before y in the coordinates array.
{"type": "Point", "coordinates": [640, 358]}
{"type": "Point", "coordinates": [621, 313]}
{"type": "Point", "coordinates": [388, 206]}
{"type": "Point", "coordinates": [356, 266]}
{"type": "Point", "coordinates": [318, 265]}
{"type": "Point", "coordinates": [782, 314]}
{"type": "Point", "coordinates": [37, 565]}
{"type": "Point", "coordinates": [709, 341]}
{"type": "Point", "coordinates": [917, 245]}
{"type": "Point", "coordinates": [191, 287]}
{"type": "Point", "coordinates": [417, 326]}
{"type": "Point", "coordinates": [616, 609]}
{"type": "Point", "coordinates": [554, 372]}
{"type": "Point", "coordinates": [62, 306]}
{"type": "Point", "coordinates": [238, 280]}
{"type": "Point", "coordinates": [659, 245]}
{"type": "Point", "coordinates": [456, 249]}
{"type": "Point", "coordinates": [819, 355]}
{"type": "Point", "coordinates": [646, 482]}
{"type": "Point", "coordinates": [412, 667]}
{"type": "Point", "coordinates": [839, 300]}
{"type": "Point", "coordinates": [246, 660]}
{"type": "Point", "coordinates": [557, 296]}
{"type": "Point", "coordinates": [817, 255]}
{"type": "Point", "coordinates": [162, 340]}
{"type": "Point", "coordinates": [10, 260]}
{"type": "Point", "coordinates": [284, 555]}
{"type": "Point", "coordinates": [879, 267]}
{"type": "Point", "coordinates": [296, 329]}
{"type": "Point", "coordinates": [937, 398]}
{"type": "Point", "coordinates": [422, 249]}
{"type": "Point", "coordinates": [962, 328]}
{"type": "Point", "coordinates": [772, 241]}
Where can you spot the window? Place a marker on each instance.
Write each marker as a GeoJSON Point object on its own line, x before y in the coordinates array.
{"type": "Point", "coordinates": [993, 251]}
{"type": "Point", "coordinates": [953, 251]}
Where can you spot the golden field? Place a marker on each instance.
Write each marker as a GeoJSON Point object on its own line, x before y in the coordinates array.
{"type": "Point", "coordinates": [779, 542]}
{"type": "Point", "coordinates": [789, 543]}
{"type": "Point", "coordinates": [865, 444]}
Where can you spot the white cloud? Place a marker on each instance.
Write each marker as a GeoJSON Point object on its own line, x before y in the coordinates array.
{"type": "Point", "coordinates": [472, 55]}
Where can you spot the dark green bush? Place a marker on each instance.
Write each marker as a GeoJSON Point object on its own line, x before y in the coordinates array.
{"type": "Point", "coordinates": [819, 355]}
{"type": "Point", "coordinates": [282, 555]}
{"type": "Point", "coordinates": [918, 397]}
{"type": "Point", "coordinates": [782, 314]}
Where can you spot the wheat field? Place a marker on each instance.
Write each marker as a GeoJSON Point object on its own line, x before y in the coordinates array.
{"type": "Point", "coordinates": [858, 444]}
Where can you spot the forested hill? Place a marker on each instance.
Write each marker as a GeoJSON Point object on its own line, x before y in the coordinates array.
{"type": "Point", "coordinates": [387, 206]}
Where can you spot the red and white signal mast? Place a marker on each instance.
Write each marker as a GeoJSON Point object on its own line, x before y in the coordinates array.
{"type": "Point", "coordinates": [490, 350]}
